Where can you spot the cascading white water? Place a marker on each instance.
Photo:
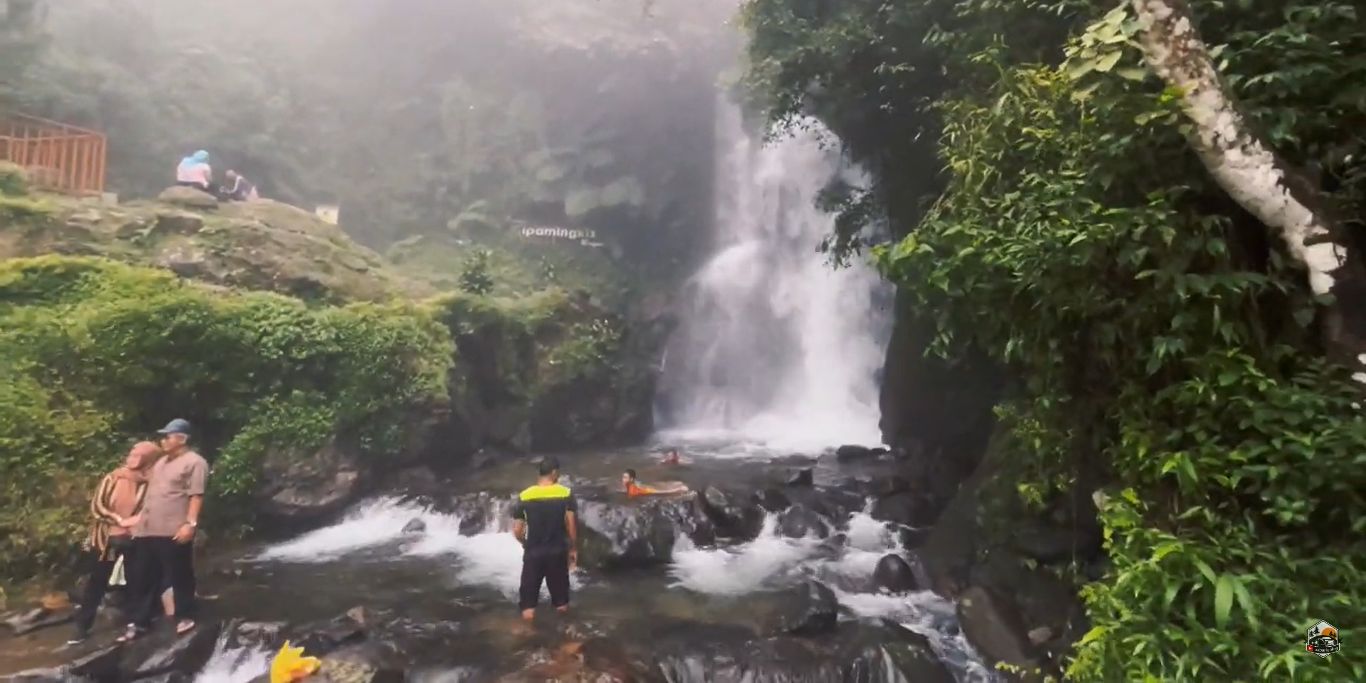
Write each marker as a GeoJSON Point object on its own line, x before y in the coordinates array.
{"type": "Point", "coordinates": [775, 345]}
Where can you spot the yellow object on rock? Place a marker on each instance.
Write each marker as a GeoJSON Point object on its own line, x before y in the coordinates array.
{"type": "Point", "coordinates": [291, 665]}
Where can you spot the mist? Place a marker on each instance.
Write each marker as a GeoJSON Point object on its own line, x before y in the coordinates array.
{"type": "Point", "coordinates": [417, 117]}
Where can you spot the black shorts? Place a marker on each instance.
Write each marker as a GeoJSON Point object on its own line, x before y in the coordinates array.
{"type": "Point", "coordinates": [553, 568]}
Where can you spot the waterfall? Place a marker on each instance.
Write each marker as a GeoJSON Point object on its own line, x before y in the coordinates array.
{"type": "Point", "coordinates": [775, 345]}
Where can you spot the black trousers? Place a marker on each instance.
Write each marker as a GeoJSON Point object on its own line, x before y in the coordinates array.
{"type": "Point", "coordinates": [550, 567]}
{"type": "Point", "coordinates": [96, 585]}
{"type": "Point", "coordinates": [158, 562]}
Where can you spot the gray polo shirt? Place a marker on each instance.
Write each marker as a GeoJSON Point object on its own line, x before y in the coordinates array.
{"type": "Point", "coordinates": [172, 482]}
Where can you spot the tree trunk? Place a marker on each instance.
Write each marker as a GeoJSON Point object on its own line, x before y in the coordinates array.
{"type": "Point", "coordinates": [1257, 178]}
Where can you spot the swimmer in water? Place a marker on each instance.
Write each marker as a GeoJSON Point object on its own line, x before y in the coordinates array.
{"type": "Point", "coordinates": [634, 489]}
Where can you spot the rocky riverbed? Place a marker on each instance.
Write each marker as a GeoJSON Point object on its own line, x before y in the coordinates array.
{"type": "Point", "coordinates": [777, 569]}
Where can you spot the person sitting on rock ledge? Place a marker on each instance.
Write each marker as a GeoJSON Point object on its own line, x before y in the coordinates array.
{"type": "Point", "coordinates": [634, 490]}
{"type": "Point", "coordinates": [194, 171]}
{"type": "Point", "coordinates": [239, 189]}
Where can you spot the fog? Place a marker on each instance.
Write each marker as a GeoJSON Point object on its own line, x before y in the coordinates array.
{"type": "Point", "coordinates": [416, 116]}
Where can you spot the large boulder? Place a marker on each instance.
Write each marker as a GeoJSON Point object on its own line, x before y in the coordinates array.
{"type": "Point", "coordinates": [638, 534]}
{"type": "Point", "coordinates": [188, 197]}
{"type": "Point", "coordinates": [895, 654]}
{"type": "Point", "coordinates": [850, 452]}
{"type": "Point", "coordinates": [300, 487]}
{"type": "Point", "coordinates": [812, 611]}
{"type": "Point", "coordinates": [733, 516]}
{"type": "Point", "coordinates": [772, 500]}
{"type": "Point", "coordinates": [993, 625]}
{"type": "Point", "coordinates": [893, 574]}
{"type": "Point", "coordinates": [800, 521]}
{"type": "Point", "coordinates": [802, 477]}
{"type": "Point", "coordinates": [177, 223]}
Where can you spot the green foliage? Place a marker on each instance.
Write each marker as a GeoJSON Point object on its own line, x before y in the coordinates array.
{"type": "Point", "coordinates": [13, 180]}
{"type": "Point", "coordinates": [1158, 334]}
{"type": "Point", "coordinates": [589, 350]}
{"type": "Point", "coordinates": [95, 354]}
{"type": "Point", "coordinates": [475, 277]}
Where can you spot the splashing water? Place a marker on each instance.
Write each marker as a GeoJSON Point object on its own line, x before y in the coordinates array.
{"type": "Point", "coordinates": [234, 664]}
{"type": "Point", "coordinates": [776, 346]}
{"type": "Point", "coordinates": [766, 563]}
{"type": "Point", "coordinates": [490, 558]}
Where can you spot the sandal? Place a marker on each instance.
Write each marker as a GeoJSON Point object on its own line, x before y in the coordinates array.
{"type": "Point", "coordinates": [130, 635]}
{"type": "Point", "coordinates": [184, 627]}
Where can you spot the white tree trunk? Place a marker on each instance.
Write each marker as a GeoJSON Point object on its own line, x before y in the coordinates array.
{"type": "Point", "coordinates": [1254, 176]}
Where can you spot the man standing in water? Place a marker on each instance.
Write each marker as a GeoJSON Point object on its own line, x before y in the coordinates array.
{"type": "Point", "coordinates": [543, 522]}
{"type": "Point", "coordinates": [163, 541]}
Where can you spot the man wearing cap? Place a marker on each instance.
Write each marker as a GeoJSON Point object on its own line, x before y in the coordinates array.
{"type": "Point", "coordinates": [164, 538]}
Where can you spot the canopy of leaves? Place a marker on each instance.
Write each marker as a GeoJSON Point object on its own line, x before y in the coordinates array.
{"type": "Point", "coordinates": [1055, 218]}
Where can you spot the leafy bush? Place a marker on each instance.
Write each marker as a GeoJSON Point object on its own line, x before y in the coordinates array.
{"type": "Point", "coordinates": [1159, 343]}
{"type": "Point", "coordinates": [13, 179]}
{"type": "Point", "coordinates": [96, 354]}
{"type": "Point", "coordinates": [475, 278]}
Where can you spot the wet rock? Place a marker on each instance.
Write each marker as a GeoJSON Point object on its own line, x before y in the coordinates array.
{"type": "Point", "coordinates": [415, 525]}
{"type": "Point", "coordinates": [626, 535]}
{"type": "Point", "coordinates": [322, 638]}
{"type": "Point", "coordinates": [912, 538]}
{"type": "Point", "coordinates": [100, 665]}
{"type": "Point", "coordinates": [255, 634]}
{"type": "Point", "coordinates": [800, 521]}
{"type": "Point", "coordinates": [772, 500]}
{"type": "Point", "coordinates": [48, 675]}
{"type": "Point", "coordinates": [850, 452]}
{"type": "Point", "coordinates": [993, 626]}
{"type": "Point", "coordinates": [813, 611]}
{"type": "Point", "coordinates": [898, 655]}
{"type": "Point", "coordinates": [732, 519]}
{"type": "Point", "coordinates": [38, 618]}
{"type": "Point", "coordinates": [907, 508]}
{"type": "Point", "coordinates": [307, 487]}
{"type": "Point", "coordinates": [188, 196]}
{"type": "Point", "coordinates": [153, 656]}
{"type": "Point", "coordinates": [893, 574]}
{"type": "Point", "coordinates": [802, 477]}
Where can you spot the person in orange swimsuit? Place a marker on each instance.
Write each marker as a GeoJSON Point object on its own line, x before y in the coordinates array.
{"type": "Point", "coordinates": [634, 489]}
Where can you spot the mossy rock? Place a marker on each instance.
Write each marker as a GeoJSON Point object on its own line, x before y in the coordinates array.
{"type": "Point", "coordinates": [13, 179]}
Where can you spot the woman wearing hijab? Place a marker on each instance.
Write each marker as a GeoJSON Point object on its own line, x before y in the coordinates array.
{"type": "Point", "coordinates": [194, 171]}
{"type": "Point", "coordinates": [116, 507]}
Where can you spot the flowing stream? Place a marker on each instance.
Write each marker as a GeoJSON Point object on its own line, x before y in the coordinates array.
{"type": "Point", "coordinates": [463, 567]}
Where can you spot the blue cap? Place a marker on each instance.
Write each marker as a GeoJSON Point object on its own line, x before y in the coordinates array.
{"type": "Point", "coordinates": [176, 426]}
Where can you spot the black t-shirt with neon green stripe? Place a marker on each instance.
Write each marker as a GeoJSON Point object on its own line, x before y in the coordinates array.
{"type": "Point", "coordinates": [543, 508]}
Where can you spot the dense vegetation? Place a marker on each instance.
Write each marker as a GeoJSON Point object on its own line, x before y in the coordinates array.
{"type": "Point", "coordinates": [94, 355]}
{"type": "Point", "coordinates": [1050, 213]}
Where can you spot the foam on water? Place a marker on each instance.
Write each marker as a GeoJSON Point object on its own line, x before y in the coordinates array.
{"type": "Point", "coordinates": [370, 524]}
{"type": "Point", "coordinates": [490, 558]}
{"type": "Point", "coordinates": [766, 563]}
{"type": "Point", "coordinates": [234, 664]}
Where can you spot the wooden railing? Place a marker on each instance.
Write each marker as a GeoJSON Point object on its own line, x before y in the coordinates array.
{"type": "Point", "coordinates": [57, 156]}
